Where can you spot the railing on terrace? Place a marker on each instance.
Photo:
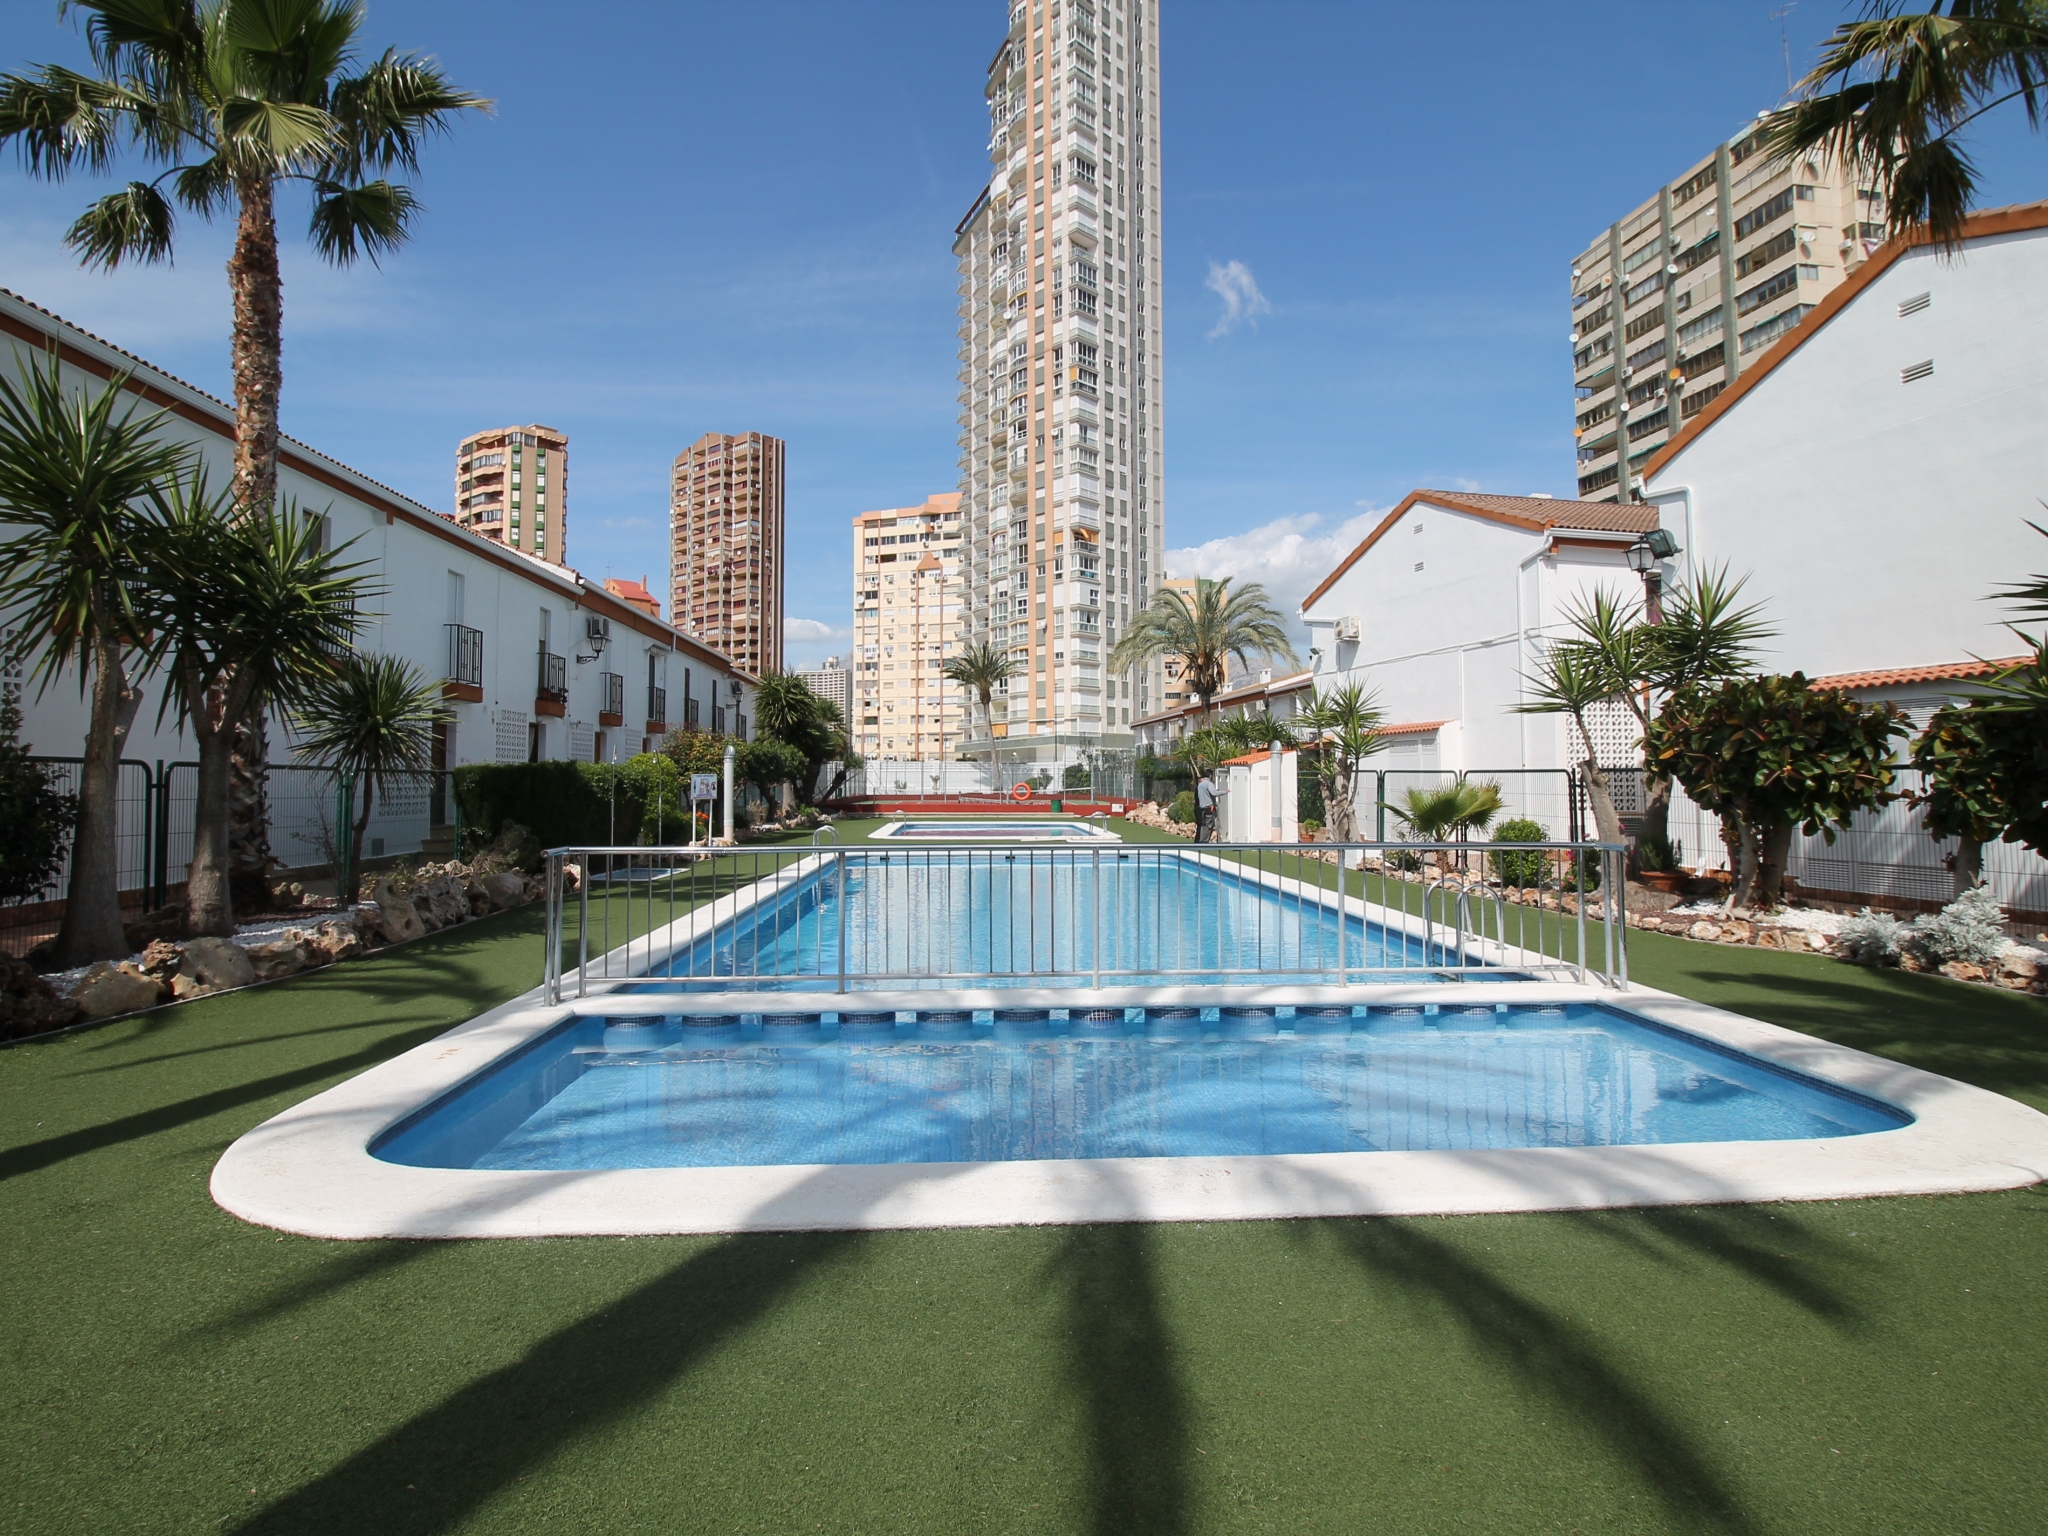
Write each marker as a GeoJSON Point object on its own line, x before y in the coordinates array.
{"type": "Point", "coordinates": [981, 914]}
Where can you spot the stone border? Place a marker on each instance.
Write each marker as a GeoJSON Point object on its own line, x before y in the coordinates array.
{"type": "Point", "coordinates": [309, 1170]}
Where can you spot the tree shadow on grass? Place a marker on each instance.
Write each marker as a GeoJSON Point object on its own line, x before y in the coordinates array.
{"type": "Point", "coordinates": [1993, 1039]}
{"type": "Point", "coordinates": [1134, 1409]}
{"type": "Point", "coordinates": [435, 1471]}
{"type": "Point", "coordinates": [356, 1262]}
{"type": "Point", "coordinates": [1554, 1358]}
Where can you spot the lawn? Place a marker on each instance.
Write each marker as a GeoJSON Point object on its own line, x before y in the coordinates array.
{"type": "Point", "coordinates": [1874, 1366]}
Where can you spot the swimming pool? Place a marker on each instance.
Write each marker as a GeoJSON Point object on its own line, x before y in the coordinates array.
{"type": "Point", "coordinates": [952, 1085]}
{"type": "Point", "coordinates": [977, 829]}
{"type": "Point", "coordinates": [984, 917]}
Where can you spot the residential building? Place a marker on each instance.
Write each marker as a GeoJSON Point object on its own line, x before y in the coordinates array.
{"type": "Point", "coordinates": [533, 661]}
{"type": "Point", "coordinates": [725, 546]}
{"type": "Point", "coordinates": [909, 615]}
{"type": "Point", "coordinates": [832, 683]}
{"type": "Point", "coordinates": [1870, 476]}
{"type": "Point", "coordinates": [634, 593]}
{"type": "Point", "coordinates": [1061, 430]}
{"type": "Point", "coordinates": [1672, 302]}
{"type": "Point", "coordinates": [1282, 698]}
{"type": "Point", "coordinates": [512, 485]}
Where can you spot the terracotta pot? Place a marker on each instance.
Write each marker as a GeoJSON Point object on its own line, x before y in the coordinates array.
{"type": "Point", "coordinates": [1670, 882]}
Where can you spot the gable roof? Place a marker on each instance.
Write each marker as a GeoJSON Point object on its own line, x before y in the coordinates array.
{"type": "Point", "coordinates": [1537, 514]}
{"type": "Point", "coordinates": [1940, 672]}
{"type": "Point", "coordinates": [1993, 221]}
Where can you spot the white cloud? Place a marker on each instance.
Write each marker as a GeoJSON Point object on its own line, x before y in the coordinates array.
{"type": "Point", "coordinates": [1289, 556]}
{"type": "Point", "coordinates": [813, 631]}
{"type": "Point", "coordinates": [1234, 284]}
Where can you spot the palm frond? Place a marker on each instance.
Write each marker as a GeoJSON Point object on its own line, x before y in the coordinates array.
{"type": "Point", "coordinates": [368, 219]}
{"type": "Point", "coordinates": [206, 188]}
{"type": "Point", "coordinates": [59, 119]}
{"type": "Point", "coordinates": [1705, 636]}
{"type": "Point", "coordinates": [134, 224]}
{"type": "Point", "coordinates": [160, 42]}
{"type": "Point", "coordinates": [387, 111]}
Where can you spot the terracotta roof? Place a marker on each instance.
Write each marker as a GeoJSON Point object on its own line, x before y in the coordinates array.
{"type": "Point", "coordinates": [1263, 755]}
{"type": "Point", "coordinates": [1412, 728]}
{"type": "Point", "coordinates": [1538, 514]}
{"type": "Point", "coordinates": [1993, 221]}
{"type": "Point", "coordinates": [1940, 672]}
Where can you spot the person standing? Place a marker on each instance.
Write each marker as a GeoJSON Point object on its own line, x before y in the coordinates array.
{"type": "Point", "coordinates": [1205, 808]}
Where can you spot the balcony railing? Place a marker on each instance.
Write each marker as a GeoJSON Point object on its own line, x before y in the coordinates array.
{"type": "Point", "coordinates": [612, 690]}
{"type": "Point", "coordinates": [553, 682]}
{"type": "Point", "coordinates": [465, 655]}
{"type": "Point", "coordinates": [657, 705]}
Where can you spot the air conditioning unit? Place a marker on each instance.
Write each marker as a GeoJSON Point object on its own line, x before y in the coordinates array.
{"type": "Point", "coordinates": [1347, 627]}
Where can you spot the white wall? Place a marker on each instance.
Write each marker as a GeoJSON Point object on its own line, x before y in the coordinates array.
{"type": "Point", "coordinates": [1876, 516]}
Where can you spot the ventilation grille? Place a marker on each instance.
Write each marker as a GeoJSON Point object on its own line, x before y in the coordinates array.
{"type": "Point", "coordinates": [1915, 304]}
{"type": "Point", "coordinates": [1913, 373]}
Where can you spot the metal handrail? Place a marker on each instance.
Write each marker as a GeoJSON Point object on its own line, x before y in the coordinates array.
{"type": "Point", "coordinates": [968, 914]}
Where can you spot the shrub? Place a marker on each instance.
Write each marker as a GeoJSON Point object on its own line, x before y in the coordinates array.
{"type": "Point", "coordinates": [1075, 777]}
{"type": "Point", "coordinates": [1310, 824]}
{"type": "Point", "coordinates": [35, 816]}
{"type": "Point", "coordinates": [1524, 868]}
{"type": "Point", "coordinates": [1658, 855]}
{"type": "Point", "coordinates": [1570, 873]}
{"type": "Point", "coordinates": [1970, 929]}
{"type": "Point", "coordinates": [1873, 938]}
{"type": "Point", "coordinates": [1183, 807]}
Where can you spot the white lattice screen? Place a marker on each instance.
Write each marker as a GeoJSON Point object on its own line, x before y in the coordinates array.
{"type": "Point", "coordinates": [510, 744]}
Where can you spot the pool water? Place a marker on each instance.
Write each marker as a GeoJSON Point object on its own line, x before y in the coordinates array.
{"type": "Point", "coordinates": [1034, 918]}
{"type": "Point", "coordinates": [953, 1085]}
{"type": "Point", "coordinates": [986, 829]}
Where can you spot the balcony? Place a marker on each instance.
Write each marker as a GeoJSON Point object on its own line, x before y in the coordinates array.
{"type": "Point", "coordinates": [465, 678]}
{"type": "Point", "coordinates": [611, 689]}
{"type": "Point", "coordinates": [657, 711]}
{"type": "Point", "coordinates": [551, 686]}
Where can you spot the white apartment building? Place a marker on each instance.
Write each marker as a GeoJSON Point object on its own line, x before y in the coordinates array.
{"type": "Point", "coordinates": [1061, 430]}
{"type": "Point", "coordinates": [832, 683]}
{"type": "Point", "coordinates": [909, 615]}
{"type": "Point", "coordinates": [1672, 302]}
{"type": "Point", "coordinates": [535, 662]}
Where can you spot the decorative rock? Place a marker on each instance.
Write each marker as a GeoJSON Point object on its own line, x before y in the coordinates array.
{"type": "Point", "coordinates": [28, 1004]}
{"type": "Point", "coordinates": [217, 963]}
{"type": "Point", "coordinates": [397, 918]}
{"type": "Point", "coordinates": [2019, 967]}
{"type": "Point", "coordinates": [443, 901]}
{"type": "Point", "coordinates": [1819, 943]}
{"type": "Point", "coordinates": [505, 889]}
{"type": "Point", "coordinates": [283, 956]}
{"type": "Point", "coordinates": [1703, 930]}
{"type": "Point", "coordinates": [107, 990]}
{"type": "Point", "coordinates": [1736, 933]}
{"type": "Point", "coordinates": [161, 959]}
{"type": "Point", "coordinates": [334, 941]}
{"type": "Point", "coordinates": [184, 988]}
{"type": "Point", "coordinates": [163, 923]}
{"type": "Point", "coordinates": [1962, 970]}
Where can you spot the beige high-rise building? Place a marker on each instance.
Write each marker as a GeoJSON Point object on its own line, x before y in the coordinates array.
{"type": "Point", "coordinates": [832, 683]}
{"type": "Point", "coordinates": [512, 485]}
{"type": "Point", "coordinates": [909, 615]}
{"type": "Point", "coordinates": [1061, 436]}
{"type": "Point", "coordinates": [725, 546]}
{"type": "Point", "coordinates": [1774, 235]}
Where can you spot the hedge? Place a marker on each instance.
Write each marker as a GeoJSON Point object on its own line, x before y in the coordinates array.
{"type": "Point", "coordinates": [573, 804]}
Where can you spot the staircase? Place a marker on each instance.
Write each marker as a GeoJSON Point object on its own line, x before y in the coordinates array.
{"type": "Point", "coordinates": [438, 845]}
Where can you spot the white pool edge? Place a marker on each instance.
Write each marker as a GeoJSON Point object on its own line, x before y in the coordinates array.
{"type": "Point", "coordinates": [309, 1170]}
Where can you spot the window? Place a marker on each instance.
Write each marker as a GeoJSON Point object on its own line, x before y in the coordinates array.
{"type": "Point", "coordinates": [1706, 325]}
{"type": "Point", "coordinates": [1764, 213]}
{"type": "Point", "coordinates": [1765, 291]}
{"type": "Point", "coordinates": [1763, 255]}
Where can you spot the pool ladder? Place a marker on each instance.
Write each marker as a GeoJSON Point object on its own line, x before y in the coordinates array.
{"type": "Point", "coordinates": [1460, 926]}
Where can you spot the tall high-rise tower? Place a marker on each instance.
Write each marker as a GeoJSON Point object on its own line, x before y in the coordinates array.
{"type": "Point", "coordinates": [1061, 439]}
{"type": "Point", "coordinates": [907, 622]}
{"type": "Point", "coordinates": [725, 546]}
{"type": "Point", "coordinates": [512, 485]}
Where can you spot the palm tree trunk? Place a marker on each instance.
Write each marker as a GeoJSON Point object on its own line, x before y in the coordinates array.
{"type": "Point", "coordinates": [91, 929]}
{"type": "Point", "coordinates": [209, 899]}
{"type": "Point", "coordinates": [1968, 866]}
{"type": "Point", "coordinates": [355, 842]}
{"type": "Point", "coordinates": [258, 359]}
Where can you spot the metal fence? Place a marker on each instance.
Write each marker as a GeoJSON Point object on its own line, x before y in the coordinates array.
{"type": "Point", "coordinates": [308, 804]}
{"type": "Point", "coordinates": [981, 914]}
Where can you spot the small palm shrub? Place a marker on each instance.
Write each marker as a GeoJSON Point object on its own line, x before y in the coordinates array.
{"type": "Point", "coordinates": [1970, 929]}
{"type": "Point", "coordinates": [1524, 868]}
{"type": "Point", "coordinates": [1183, 807]}
{"type": "Point", "coordinates": [1873, 938]}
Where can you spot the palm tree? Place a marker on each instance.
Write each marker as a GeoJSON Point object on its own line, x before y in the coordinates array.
{"type": "Point", "coordinates": [373, 717]}
{"type": "Point", "coordinates": [1346, 723]}
{"type": "Point", "coordinates": [786, 710]}
{"type": "Point", "coordinates": [247, 608]}
{"type": "Point", "coordinates": [1895, 90]}
{"type": "Point", "coordinates": [1252, 733]}
{"type": "Point", "coordinates": [1571, 679]}
{"type": "Point", "coordinates": [77, 468]}
{"type": "Point", "coordinates": [982, 667]}
{"type": "Point", "coordinates": [1203, 634]}
{"type": "Point", "coordinates": [232, 98]}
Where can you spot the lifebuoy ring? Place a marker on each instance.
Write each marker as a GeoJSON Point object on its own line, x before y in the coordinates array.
{"type": "Point", "coordinates": [1020, 792]}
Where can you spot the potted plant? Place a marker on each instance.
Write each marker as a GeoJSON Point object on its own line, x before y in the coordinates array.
{"type": "Point", "coordinates": [1658, 865]}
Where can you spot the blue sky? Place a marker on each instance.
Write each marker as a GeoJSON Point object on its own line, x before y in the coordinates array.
{"type": "Point", "coordinates": [686, 218]}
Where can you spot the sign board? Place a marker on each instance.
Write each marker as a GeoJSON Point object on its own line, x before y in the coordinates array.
{"type": "Point", "coordinates": [703, 786]}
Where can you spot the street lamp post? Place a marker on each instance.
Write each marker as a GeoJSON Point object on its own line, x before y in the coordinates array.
{"type": "Point", "coordinates": [1645, 558]}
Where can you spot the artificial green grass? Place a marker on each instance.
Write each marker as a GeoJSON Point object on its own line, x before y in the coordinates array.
{"type": "Point", "coordinates": [1873, 1366]}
